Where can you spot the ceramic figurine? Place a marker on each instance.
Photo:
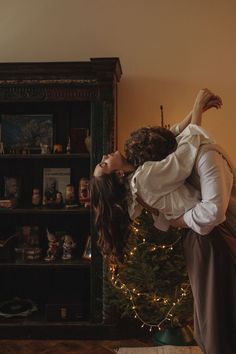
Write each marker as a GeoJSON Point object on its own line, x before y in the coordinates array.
{"type": "Point", "coordinates": [68, 247]}
{"type": "Point", "coordinates": [53, 246]}
{"type": "Point", "coordinates": [36, 197]}
{"type": "Point", "coordinates": [84, 194]}
{"type": "Point", "coordinates": [70, 194]}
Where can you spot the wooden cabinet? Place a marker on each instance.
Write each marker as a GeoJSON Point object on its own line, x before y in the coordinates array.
{"type": "Point", "coordinates": [72, 99]}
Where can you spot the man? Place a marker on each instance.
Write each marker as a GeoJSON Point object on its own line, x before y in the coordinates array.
{"type": "Point", "coordinates": [210, 250]}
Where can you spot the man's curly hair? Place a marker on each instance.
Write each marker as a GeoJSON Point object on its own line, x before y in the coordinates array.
{"type": "Point", "coordinates": [149, 144]}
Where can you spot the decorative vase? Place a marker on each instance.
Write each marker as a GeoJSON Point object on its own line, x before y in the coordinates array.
{"type": "Point", "coordinates": [179, 336]}
{"type": "Point", "coordinates": [87, 142]}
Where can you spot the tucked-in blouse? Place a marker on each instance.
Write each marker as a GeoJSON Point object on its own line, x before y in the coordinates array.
{"type": "Point", "coordinates": [162, 184]}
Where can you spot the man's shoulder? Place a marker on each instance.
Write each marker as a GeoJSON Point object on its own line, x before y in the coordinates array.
{"type": "Point", "coordinates": [209, 150]}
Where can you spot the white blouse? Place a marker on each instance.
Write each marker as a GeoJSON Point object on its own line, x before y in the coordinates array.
{"type": "Point", "coordinates": [161, 184]}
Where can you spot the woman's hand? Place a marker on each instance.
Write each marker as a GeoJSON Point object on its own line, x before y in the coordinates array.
{"type": "Point", "coordinates": [206, 99]}
{"type": "Point", "coordinates": [203, 97]}
{"type": "Point", "coordinates": [214, 102]}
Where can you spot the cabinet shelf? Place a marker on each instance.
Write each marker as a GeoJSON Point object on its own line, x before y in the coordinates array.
{"type": "Point", "coordinates": [40, 321]}
{"type": "Point", "coordinates": [44, 211]}
{"type": "Point", "coordinates": [41, 329]}
{"type": "Point", "coordinates": [44, 156]}
{"type": "Point", "coordinates": [21, 265]}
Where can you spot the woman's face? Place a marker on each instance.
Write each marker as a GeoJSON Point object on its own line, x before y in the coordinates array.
{"type": "Point", "coordinates": [109, 163]}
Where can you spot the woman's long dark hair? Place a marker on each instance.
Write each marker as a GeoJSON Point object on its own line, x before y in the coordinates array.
{"type": "Point", "coordinates": [109, 200]}
{"type": "Point", "coordinates": [109, 193]}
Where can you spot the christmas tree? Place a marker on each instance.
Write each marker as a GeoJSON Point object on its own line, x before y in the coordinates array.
{"type": "Point", "coordinates": [152, 284]}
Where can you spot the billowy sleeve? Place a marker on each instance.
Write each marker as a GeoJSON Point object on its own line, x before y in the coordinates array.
{"type": "Point", "coordinates": [216, 180]}
{"type": "Point", "coordinates": [175, 129]}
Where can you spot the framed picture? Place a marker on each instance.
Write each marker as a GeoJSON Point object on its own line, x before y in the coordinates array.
{"type": "Point", "coordinates": [55, 181]}
{"type": "Point", "coordinates": [87, 250]}
{"type": "Point", "coordinates": [26, 131]}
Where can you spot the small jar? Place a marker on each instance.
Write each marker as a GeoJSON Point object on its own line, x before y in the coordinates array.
{"type": "Point", "coordinates": [57, 148]}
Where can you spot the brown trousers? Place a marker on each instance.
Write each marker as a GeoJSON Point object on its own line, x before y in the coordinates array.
{"type": "Point", "coordinates": [212, 272]}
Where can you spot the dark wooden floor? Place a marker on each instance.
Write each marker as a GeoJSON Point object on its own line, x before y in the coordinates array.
{"type": "Point", "coordinates": [68, 346]}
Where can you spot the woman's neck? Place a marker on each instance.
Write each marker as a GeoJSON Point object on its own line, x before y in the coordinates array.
{"type": "Point", "coordinates": [128, 168]}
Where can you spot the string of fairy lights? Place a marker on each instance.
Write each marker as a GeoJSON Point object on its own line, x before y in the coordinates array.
{"type": "Point", "coordinates": [133, 293]}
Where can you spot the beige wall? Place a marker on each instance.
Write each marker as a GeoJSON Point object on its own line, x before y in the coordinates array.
{"type": "Point", "coordinates": [168, 50]}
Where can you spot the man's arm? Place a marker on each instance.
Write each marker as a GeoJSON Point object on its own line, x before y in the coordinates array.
{"type": "Point", "coordinates": [216, 181]}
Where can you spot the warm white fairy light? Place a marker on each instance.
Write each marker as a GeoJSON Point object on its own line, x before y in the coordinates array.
{"type": "Point", "coordinates": [132, 293]}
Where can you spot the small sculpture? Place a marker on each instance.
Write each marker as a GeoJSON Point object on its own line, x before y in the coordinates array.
{"type": "Point", "coordinates": [45, 149]}
{"type": "Point", "coordinates": [53, 247]}
{"type": "Point", "coordinates": [68, 247]}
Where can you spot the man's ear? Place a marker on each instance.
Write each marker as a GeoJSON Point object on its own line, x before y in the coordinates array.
{"type": "Point", "coordinates": [120, 173]}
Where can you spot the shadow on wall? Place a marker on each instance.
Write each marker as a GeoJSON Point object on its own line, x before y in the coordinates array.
{"type": "Point", "coordinates": [139, 101]}
{"type": "Point", "coordinates": [140, 98]}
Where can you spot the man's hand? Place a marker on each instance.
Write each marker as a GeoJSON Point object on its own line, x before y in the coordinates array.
{"type": "Point", "coordinates": [178, 223]}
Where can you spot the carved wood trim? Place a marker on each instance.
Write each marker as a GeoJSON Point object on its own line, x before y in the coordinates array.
{"type": "Point", "coordinates": [25, 93]}
{"type": "Point", "coordinates": [47, 81]}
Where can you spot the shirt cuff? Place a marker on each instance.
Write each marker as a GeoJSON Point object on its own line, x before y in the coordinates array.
{"type": "Point", "coordinates": [199, 229]}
